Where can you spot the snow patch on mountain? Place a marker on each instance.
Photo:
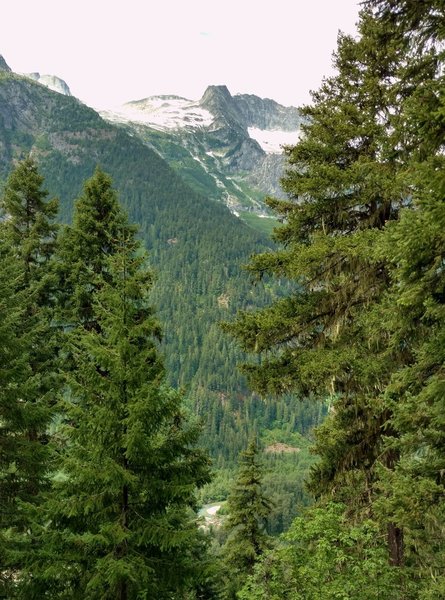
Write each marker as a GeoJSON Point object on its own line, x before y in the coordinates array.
{"type": "Point", "coordinates": [163, 113]}
{"type": "Point", "coordinates": [52, 82]}
{"type": "Point", "coordinates": [271, 141]}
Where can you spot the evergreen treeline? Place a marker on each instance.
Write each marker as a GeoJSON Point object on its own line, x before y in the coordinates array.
{"type": "Point", "coordinates": [363, 243]}
{"type": "Point", "coordinates": [99, 464]}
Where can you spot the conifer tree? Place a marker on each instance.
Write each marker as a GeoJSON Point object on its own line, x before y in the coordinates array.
{"type": "Point", "coordinates": [121, 521]}
{"type": "Point", "coordinates": [248, 509]}
{"type": "Point", "coordinates": [29, 379]}
{"type": "Point", "coordinates": [366, 319]}
{"type": "Point", "coordinates": [85, 246]}
{"type": "Point", "coordinates": [15, 449]}
{"type": "Point", "coordinates": [414, 490]}
{"type": "Point", "coordinates": [29, 218]}
{"type": "Point", "coordinates": [343, 189]}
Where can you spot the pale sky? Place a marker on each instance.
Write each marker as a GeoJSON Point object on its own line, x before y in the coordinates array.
{"type": "Point", "coordinates": [114, 51]}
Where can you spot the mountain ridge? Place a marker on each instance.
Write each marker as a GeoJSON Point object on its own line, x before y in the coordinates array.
{"type": "Point", "coordinates": [54, 83]}
{"type": "Point", "coordinates": [226, 147]}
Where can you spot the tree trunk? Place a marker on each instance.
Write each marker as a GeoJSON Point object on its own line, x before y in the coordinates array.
{"type": "Point", "coordinates": [395, 545]}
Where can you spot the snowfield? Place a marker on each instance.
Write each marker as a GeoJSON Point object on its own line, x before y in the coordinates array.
{"type": "Point", "coordinates": [173, 113]}
{"type": "Point", "coordinates": [272, 140]}
{"type": "Point", "coordinates": [163, 113]}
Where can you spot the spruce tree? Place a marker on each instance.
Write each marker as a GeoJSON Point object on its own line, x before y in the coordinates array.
{"type": "Point", "coordinates": [15, 449]}
{"type": "Point", "coordinates": [412, 491]}
{"type": "Point", "coordinates": [119, 520]}
{"type": "Point", "coordinates": [343, 188]}
{"type": "Point", "coordinates": [366, 319]}
{"type": "Point", "coordinates": [85, 245]}
{"type": "Point", "coordinates": [248, 509]}
{"type": "Point", "coordinates": [29, 379]}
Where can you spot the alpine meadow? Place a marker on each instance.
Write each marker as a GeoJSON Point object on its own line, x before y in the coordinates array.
{"type": "Point", "coordinates": [191, 406]}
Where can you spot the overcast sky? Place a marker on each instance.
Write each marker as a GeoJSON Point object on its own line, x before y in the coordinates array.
{"type": "Point", "coordinates": [113, 51]}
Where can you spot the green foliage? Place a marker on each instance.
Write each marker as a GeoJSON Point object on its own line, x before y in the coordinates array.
{"type": "Point", "coordinates": [245, 523]}
{"type": "Point", "coordinates": [365, 321]}
{"type": "Point", "coordinates": [29, 378]}
{"type": "Point", "coordinates": [318, 340]}
{"type": "Point", "coordinates": [84, 246]}
{"type": "Point", "coordinates": [197, 249]}
{"type": "Point", "coordinates": [413, 491]}
{"type": "Point", "coordinates": [323, 556]}
{"type": "Point", "coordinates": [119, 521]}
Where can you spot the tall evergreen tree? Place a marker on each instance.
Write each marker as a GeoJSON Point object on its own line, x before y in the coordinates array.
{"type": "Point", "coordinates": [15, 450]}
{"type": "Point", "coordinates": [121, 521]}
{"type": "Point", "coordinates": [414, 490]}
{"type": "Point", "coordinates": [29, 218]}
{"type": "Point", "coordinates": [98, 221]}
{"type": "Point", "coordinates": [29, 350]}
{"type": "Point", "coordinates": [367, 315]}
{"type": "Point", "coordinates": [248, 509]}
{"type": "Point", "coordinates": [343, 189]}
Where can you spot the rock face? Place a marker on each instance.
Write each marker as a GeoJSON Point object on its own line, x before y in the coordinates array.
{"type": "Point", "coordinates": [3, 65]}
{"type": "Point", "coordinates": [228, 133]}
{"type": "Point", "coordinates": [52, 82]}
{"type": "Point", "coordinates": [227, 147]}
{"type": "Point", "coordinates": [266, 114]}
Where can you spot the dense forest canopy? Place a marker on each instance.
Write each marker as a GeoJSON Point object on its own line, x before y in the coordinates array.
{"type": "Point", "coordinates": [100, 461]}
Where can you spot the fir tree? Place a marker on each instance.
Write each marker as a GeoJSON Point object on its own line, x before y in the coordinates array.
{"type": "Point", "coordinates": [29, 354]}
{"type": "Point", "coordinates": [366, 319]}
{"type": "Point", "coordinates": [85, 245]}
{"type": "Point", "coordinates": [29, 219]}
{"type": "Point", "coordinates": [413, 315]}
{"type": "Point", "coordinates": [248, 509]}
{"type": "Point", "coordinates": [343, 189]}
{"type": "Point", "coordinates": [15, 449]}
{"type": "Point", "coordinates": [412, 491]}
{"type": "Point", "coordinates": [121, 510]}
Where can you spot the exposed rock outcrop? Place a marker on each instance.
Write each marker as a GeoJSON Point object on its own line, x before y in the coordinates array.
{"type": "Point", "coordinates": [3, 65]}
{"type": "Point", "coordinates": [52, 82]}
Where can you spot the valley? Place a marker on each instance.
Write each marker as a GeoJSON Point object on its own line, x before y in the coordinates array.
{"type": "Point", "coordinates": [188, 209]}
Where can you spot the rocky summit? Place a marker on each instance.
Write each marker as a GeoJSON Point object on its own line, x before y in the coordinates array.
{"type": "Point", "coordinates": [52, 82]}
{"type": "Point", "coordinates": [3, 65]}
{"type": "Point", "coordinates": [227, 147]}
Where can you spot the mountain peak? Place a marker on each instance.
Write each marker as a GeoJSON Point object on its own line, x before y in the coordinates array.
{"type": "Point", "coordinates": [212, 91]}
{"type": "Point", "coordinates": [52, 82]}
{"type": "Point", "coordinates": [219, 101]}
{"type": "Point", "coordinates": [3, 65]}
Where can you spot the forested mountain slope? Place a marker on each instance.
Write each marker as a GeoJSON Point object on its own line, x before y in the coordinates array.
{"type": "Point", "coordinates": [196, 246]}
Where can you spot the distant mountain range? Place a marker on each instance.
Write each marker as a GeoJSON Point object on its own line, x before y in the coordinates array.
{"type": "Point", "coordinates": [229, 148]}
{"type": "Point", "coordinates": [196, 245]}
